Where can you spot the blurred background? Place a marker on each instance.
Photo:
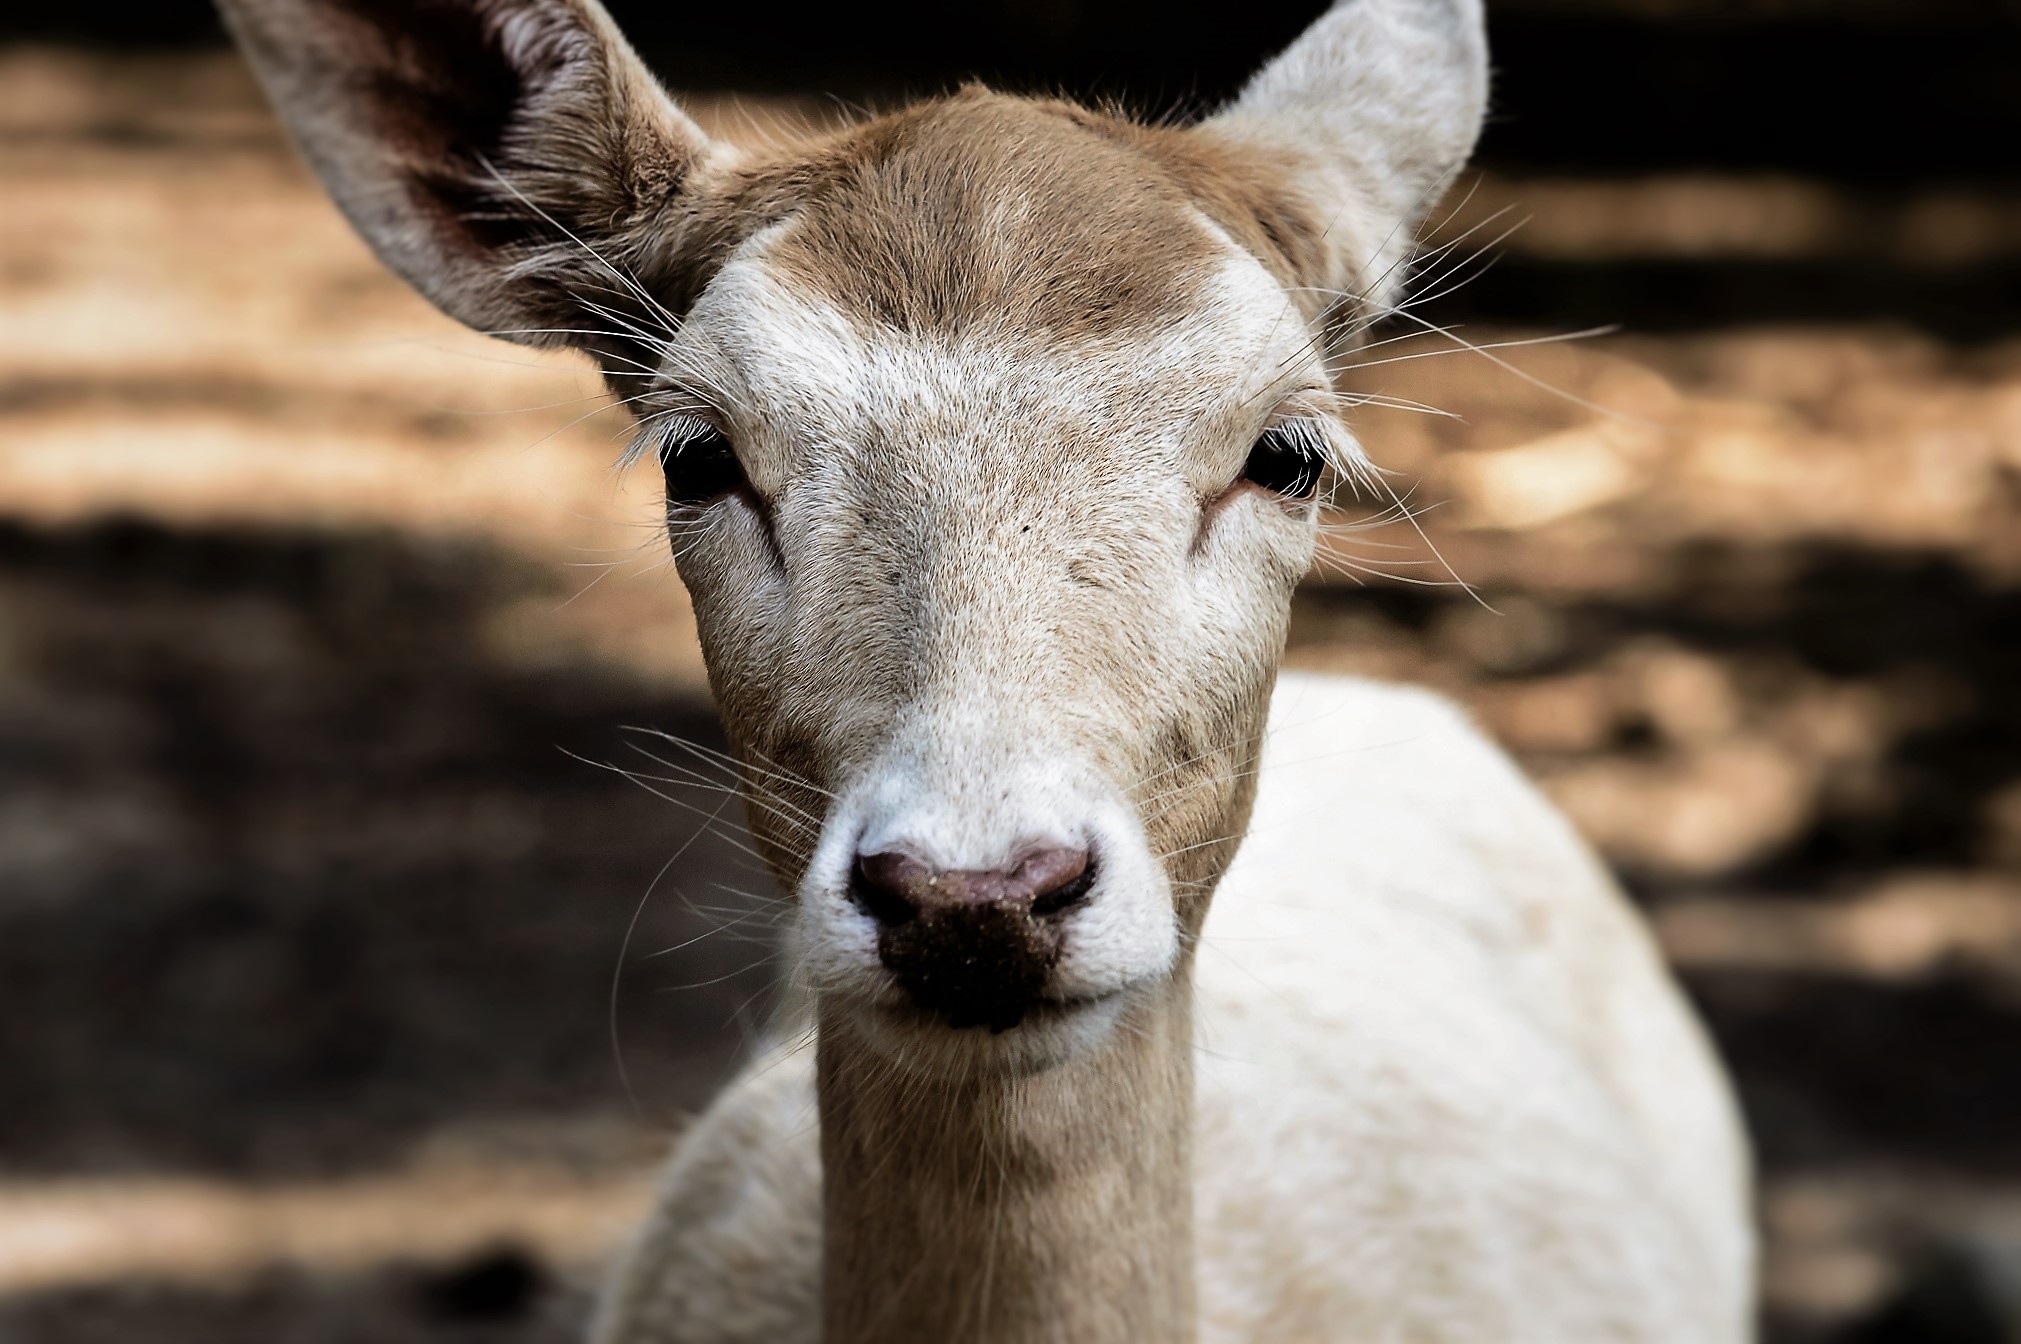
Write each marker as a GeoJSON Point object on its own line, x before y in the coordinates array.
{"type": "Point", "coordinates": [321, 619]}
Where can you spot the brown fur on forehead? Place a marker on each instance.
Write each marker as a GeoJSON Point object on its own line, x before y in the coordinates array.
{"type": "Point", "coordinates": [1039, 214]}
{"type": "Point", "coordinates": [1254, 193]}
{"type": "Point", "coordinates": [982, 208]}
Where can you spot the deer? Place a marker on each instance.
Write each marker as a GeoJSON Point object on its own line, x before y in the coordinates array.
{"type": "Point", "coordinates": [997, 432]}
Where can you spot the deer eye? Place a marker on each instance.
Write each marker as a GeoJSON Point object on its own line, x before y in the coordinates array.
{"type": "Point", "coordinates": [699, 463]}
{"type": "Point", "coordinates": [1285, 460]}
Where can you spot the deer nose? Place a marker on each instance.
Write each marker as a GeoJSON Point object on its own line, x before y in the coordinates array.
{"type": "Point", "coordinates": [975, 946]}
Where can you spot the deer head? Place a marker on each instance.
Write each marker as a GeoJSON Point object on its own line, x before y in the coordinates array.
{"type": "Point", "coordinates": [994, 430]}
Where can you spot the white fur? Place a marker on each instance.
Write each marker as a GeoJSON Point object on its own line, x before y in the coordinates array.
{"type": "Point", "coordinates": [977, 768]}
{"type": "Point", "coordinates": [1446, 1089]}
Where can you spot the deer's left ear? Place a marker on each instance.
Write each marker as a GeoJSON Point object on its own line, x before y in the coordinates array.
{"type": "Point", "coordinates": [1370, 113]}
{"type": "Point", "coordinates": [508, 158]}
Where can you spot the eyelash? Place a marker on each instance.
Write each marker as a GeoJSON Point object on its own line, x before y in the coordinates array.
{"type": "Point", "coordinates": [699, 462]}
{"type": "Point", "coordinates": [1288, 460]}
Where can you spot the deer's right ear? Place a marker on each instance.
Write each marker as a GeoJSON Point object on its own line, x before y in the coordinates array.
{"type": "Point", "coordinates": [506, 157]}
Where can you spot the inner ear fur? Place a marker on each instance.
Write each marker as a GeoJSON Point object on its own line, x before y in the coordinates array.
{"type": "Point", "coordinates": [1342, 145]}
{"type": "Point", "coordinates": [490, 151]}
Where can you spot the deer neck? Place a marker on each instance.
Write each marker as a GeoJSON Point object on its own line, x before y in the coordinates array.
{"type": "Point", "coordinates": [1013, 1210]}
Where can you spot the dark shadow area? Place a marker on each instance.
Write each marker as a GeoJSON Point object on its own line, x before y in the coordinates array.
{"type": "Point", "coordinates": [1946, 1298]}
{"type": "Point", "coordinates": [1963, 304]}
{"type": "Point", "coordinates": [502, 1284]}
{"type": "Point", "coordinates": [499, 1297]}
{"type": "Point", "coordinates": [1883, 92]}
{"type": "Point", "coordinates": [1838, 1072]}
{"type": "Point", "coordinates": [292, 870]}
{"type": "Point", "coordinates": [1915, 93]}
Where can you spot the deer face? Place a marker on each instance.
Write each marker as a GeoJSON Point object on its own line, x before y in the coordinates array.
{"type": "Point", "coordinates": [993, 434]}
{"type": "Point", "coordinates": [1002, 564]}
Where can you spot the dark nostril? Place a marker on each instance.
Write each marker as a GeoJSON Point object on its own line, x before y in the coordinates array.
{"type": "Point", "coordinates": [884, 885]}
{"type": "Point", "coordinates": [896, 888]}
{"type": "Point", "coordinates": [1061, 879]}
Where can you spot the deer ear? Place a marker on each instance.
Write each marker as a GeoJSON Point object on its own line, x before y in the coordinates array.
{"type": "Point", "coordinates": [506, 157]}
{"type": "Point", "coordinates": [1372, 110]}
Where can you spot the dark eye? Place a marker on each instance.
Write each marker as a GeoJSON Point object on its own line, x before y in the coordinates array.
{"type": "Point", "coordinates": [1287, 460]}
{"type": "Point", "coordinates": [700, 465]}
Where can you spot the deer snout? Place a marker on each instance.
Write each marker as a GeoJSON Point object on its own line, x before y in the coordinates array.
{"type": "Point", "coordinates": [975, 946]}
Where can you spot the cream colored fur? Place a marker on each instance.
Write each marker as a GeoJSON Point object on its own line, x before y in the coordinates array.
{"type": "Point", "coordinates": [986, 565]}
{"type": "Point", "coordinates": [1447, 1091]}
{"type": "Point", "coordinates": [1385, 101]}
